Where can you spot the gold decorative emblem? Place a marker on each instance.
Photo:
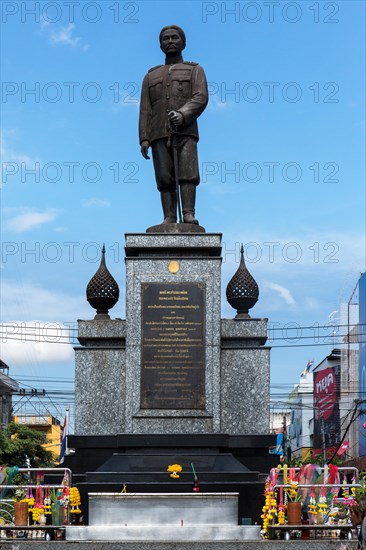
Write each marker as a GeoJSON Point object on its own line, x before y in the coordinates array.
{"type": "Point", "coordinates": [173, 266]}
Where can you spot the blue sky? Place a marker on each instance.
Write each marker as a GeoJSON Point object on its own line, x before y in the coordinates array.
{"type": "Point", "coordinates": [281, 158]}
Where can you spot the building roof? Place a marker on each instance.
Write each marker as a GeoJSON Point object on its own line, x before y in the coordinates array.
{"type": "Point", "coordinates": [7, 384]}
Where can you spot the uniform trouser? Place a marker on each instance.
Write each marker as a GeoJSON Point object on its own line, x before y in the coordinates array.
{"type": "Point", "coordinates": [164, 165]}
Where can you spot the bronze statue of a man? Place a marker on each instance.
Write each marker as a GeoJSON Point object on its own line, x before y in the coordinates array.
{"type": "Point", "coordinates": [172, 98]}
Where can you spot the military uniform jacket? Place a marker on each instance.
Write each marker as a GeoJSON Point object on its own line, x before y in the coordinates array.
{"type": "Point", "coordinates": [181, 87]}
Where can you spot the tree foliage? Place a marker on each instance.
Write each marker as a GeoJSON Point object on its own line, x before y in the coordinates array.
{"type": "Point", "coordinates": [18, 442]}
{"type": "Point", "coordinates": [297, 462]}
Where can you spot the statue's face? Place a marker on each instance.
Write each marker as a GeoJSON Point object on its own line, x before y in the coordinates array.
{"type": "Point", "coordinates": [171, 42]}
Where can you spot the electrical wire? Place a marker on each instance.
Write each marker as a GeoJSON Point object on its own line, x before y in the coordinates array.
{"type": "Point", "coordinates": [345, 433]}
{"type": "Point", "coordinates": [37, 327]}
{"type": "Point", "coordinates": [21, 339]}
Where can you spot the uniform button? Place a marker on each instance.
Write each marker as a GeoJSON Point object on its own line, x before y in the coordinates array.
{"type": "Point", "coordinates": [180, 88]}
{"type": "Point", "coordinates": [168, 110]}
{"type": "Point", "coordinates": [168, 97]}
{"type": "Point", "coordinates": [168, 84]}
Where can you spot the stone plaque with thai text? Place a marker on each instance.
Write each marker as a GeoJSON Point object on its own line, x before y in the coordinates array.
{"type": "Point", "coordinates": [173, 346]}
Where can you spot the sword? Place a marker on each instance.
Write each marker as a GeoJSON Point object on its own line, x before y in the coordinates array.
{"type": "Point", "coordinates": [174, 141]}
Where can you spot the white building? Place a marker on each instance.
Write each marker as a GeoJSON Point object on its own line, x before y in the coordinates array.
{"type": "Point", "coordinates": [300, 432]}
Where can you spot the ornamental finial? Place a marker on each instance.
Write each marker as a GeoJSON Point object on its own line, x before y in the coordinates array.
{"type": "Point", "coordinates": [242, 292]}
{"type": "Point", "coordinates": [102, 291]}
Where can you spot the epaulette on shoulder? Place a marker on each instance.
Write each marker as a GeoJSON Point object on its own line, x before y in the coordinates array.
{"type": "Point", "coordinates": [190, 63]}
{"type": "Point", "coordinates": [153, 68]}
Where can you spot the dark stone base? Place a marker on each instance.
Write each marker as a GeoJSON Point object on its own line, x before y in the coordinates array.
{"type": "Point", "coordinates": [223, 464]}
{"type": "Point", "coordinates": [176, 228]}
{"type": "Point", "coordinates": [177, 545]}
{"type": "Point", "coordinates": [91, 452]}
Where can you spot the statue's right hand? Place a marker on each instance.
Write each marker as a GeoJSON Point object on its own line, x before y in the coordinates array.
{"type": "Point", "coordinates": [144, 149]}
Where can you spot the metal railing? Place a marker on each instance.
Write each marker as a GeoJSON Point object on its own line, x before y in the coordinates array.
{"type": "Point", "coordinates": [30, 485]}
{"type": "Point", "coordinates": [349, 469]}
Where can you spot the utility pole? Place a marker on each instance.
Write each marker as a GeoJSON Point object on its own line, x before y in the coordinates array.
{"type": "Point", "coordinates": [322, 430]}
{"type": "Point", "coordinates": [284, 439]}
{"type": "Point", "coordinates": [286, 448]}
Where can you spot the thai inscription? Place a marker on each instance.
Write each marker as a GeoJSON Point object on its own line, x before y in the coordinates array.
{"type": "Point", "coordinates": [173, 346]}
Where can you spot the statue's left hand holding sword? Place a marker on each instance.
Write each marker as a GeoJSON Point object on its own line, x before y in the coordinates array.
{"type": "Point", "coordinates": [175, 119]}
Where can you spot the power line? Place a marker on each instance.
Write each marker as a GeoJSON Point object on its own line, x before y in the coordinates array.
{"type": "Point", "coordinates": [312, 345]}
{"type": "Point", "coordinates": [318, 337]}
{"type": "Point", "coordinates": [42, 325]}
{"type": "Point", "coordinates": [25, 340]}
{"type": "Point", "coordinates": [345, 433]}
{"type": "Point", "coordinates": [68, 329]}
{"type": "Point", "coordinates": [318, 326]}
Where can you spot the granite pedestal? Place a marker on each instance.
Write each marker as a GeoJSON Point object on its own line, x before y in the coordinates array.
{"type": "Point", "coordinates": [173, 383]}
{"type": "Point", "coordinates": [216, 378]}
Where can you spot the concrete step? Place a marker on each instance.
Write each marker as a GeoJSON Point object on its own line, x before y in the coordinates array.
{"type": "Point", "coordinates": [163, 533]}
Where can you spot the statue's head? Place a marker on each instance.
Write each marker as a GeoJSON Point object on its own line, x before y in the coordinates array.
{"type": "Point", "coordinates": [172, 39]}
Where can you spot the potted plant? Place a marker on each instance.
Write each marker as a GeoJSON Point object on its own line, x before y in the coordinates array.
{"type": "Point", "coordinates": [20, 507]}
{"type": "Point", "coordinates": [56, 508]}
{"type": "Point", "coordinates": [293, 504]}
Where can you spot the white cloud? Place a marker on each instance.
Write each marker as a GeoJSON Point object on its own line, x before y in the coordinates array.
{"type": "Point", "coordinates": [65, 36]}
{"type": "Point", "coordinates": [44, 22]}
{"type": "Point", "coordinates": [127, 98]}
{"type": "Point", "coordinates": [14, 162]}
{"type": "Point", "coordinates": [29, 301]}
{"type": "Point", "coordinates": [34, 343]}
{"type": "Point", "coordinates": [282, 291]}
{"type": "Point", "coordinates": [304, 249]}
{"type": "Point", "coordinates": [216, 188]}
{"type": "Point", "coordinates": [30, 219]}
{"type": "Point", "coordinates": [311, 303]}
{"type": "Point", "coordinates": [99, 203]}
{"type": "Point", "coordinates": [32, 321]}
{"type": "Point", "coordinates": [215, 104]}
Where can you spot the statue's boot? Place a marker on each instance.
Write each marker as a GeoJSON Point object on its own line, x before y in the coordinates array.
{"type": "Point", "coordinates": [188, 195]}
{"type": "Point", "coordinates": [169, 204]}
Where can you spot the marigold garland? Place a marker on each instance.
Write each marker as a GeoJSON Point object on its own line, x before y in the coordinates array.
{"type": "Point", "coordinates": [322, 504]}
{"type": "Point", "coordinates": [47, 503]}
{"type": "Point", "coordinates": [269, 509]}
{"type": "Point", "coordinates": [38, 508]}
{"type": "Point", "coordinates": [320, 497]}
{"type": "Point", "coordinates": [75, 500]}
{"type": "Point", "coordinates": [312, 507]}
{"type": "Point", "coordinates": [36, 513]}
{"type": "Point", "coordinates": [281, 515]}
{"type": "Point", "coordinates": [281, 509]}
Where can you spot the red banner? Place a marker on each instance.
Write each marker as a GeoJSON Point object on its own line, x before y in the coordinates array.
{"type": "Point", "coordinates": [325, 393]}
